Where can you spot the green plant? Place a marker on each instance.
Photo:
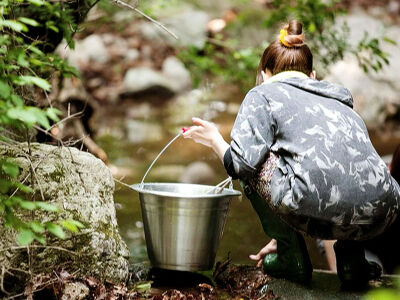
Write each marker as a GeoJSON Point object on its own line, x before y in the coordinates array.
{"type": "Point", "coordinates": [25, 71]}
{"type": "Point", "coordinates": [222, 55]}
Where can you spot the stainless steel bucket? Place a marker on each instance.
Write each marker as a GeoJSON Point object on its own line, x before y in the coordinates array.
{"type": "Point", "coordinates": [183, 223]}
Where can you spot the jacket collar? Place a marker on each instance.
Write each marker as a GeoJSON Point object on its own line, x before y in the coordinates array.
{"type": "Point", "coordinates": [285, 75]}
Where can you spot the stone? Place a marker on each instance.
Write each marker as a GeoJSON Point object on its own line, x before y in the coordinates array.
{"type": "Point", "coordinates": [90, 49]}
{"type": "Point", "coordinates": [75, 291]}
{"type": "Point", "coordinates": [187, 105]}
{"type": "Point", "coordinates": [140, 79]}
{"type": "Point", "coordinates": [132, 55]}
{"type": "Point", "coordinates": [82, 186]}
{"type": "Point", "coordinates": [177, 74]}
{"type": "Point", "coordinates": [198, 173]}
{"type": "Point", "coordinates": [169, 173]}
{"type": "Point", "coordinates": [140, 131]}
{"type": "Point", "coordinates": [189, 25]}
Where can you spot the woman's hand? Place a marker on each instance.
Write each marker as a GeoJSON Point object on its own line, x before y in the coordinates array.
{"type": "Point", "coordinates": [269, 248]}
{"type": "Point", "coordinates": [206, 133]}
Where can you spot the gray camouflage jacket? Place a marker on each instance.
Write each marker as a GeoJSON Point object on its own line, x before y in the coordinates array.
{"type": "Point", "coordinates": [329, 182]}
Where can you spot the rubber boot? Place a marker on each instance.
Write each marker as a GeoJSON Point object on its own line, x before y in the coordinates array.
{"type": "Point", "coordinates": [291, 261]}
{"type": "Point", "coordinates": [352, 268]}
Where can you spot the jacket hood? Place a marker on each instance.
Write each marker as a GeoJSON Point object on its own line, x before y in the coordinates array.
{"type": "Point", "coordinates": [322, 88]}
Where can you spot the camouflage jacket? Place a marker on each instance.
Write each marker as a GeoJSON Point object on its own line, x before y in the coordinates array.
{"type": "Point", "coordinates": [328, 171]}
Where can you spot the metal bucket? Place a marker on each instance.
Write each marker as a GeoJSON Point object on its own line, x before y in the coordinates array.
{"type": "Point", "coordinates": [183, 223]}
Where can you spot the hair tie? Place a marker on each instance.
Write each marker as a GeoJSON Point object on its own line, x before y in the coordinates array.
{"type": "Point", "coordinates": [282, 36]}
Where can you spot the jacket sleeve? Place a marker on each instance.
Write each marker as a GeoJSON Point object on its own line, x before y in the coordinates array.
{"type": "Point", "coordinates": [252, 135]}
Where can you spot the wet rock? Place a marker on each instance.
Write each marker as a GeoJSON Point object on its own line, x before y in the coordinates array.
{"type": "Point", "coordinates": [82, 187]}
{"type": "Point", "coordinates": [140, 131]}
{"type": "Point", "coordinates": [199, 173]}
{"type": "Point", "coordinates": [177, 74]}
{"type": "Point", "coordinates": [140, 79]}
{"type": "Point", "coordinates": [75, 291]}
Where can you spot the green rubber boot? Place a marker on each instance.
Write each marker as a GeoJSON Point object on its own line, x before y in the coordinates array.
{"type": "Point", "coordinates": [291, 260]}
{"type": "Point", "coordinates": [352, 268]}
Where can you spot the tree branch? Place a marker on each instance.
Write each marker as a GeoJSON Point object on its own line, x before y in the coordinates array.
{"type": "Point", "coordinates": [126, 5]}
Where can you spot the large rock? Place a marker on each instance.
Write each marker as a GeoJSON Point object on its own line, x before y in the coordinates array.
{"type": "Point", "coordinates": [82, 187]}
{"type": "Point", "coordinates": [174, 78]}
{"type": "Point", "coordinates": [376, 95]}
{"type": "Point", "coordinates": [178, 76]}
{"type": "Point", "coordinates": [90, 49]}
{"type": "Point", "coordinates": [140, 79]}
{"type": "Point", "coordinates": [188, 24]}
{"type": "Point", "coordinates": [142, 132]}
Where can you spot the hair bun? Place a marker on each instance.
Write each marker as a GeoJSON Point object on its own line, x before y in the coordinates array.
{"type": "Point", "coordinates": [294, 36]}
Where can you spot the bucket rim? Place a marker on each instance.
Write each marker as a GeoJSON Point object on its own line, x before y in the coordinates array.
{"type": "Point", "coordinates": [137, 187]}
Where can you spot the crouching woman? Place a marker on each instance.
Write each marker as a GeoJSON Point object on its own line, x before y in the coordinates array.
{"type": "Point", "coordinates": [305, 161]}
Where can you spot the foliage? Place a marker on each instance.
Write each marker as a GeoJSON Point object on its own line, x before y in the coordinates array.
{"type": "Point", "coordinates": [385, 293]}
{"type": "Point", "coordinates": [25, 71]}
{"type": "Point", "coordinates": [328, 41]}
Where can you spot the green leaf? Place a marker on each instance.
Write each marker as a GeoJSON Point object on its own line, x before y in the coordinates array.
{"type": "Point", "coordinates": [13, 25]}
{"type": "Point", "coordinates": [53, 113]}
{"type": "Point", "coordinates": [4, 186]}
{"type": "Point", "coordinates": [25, 237]}
{"type": "Point", "coordinates": [56, 230]}
{"type": "Point", "coordinates": [40, 82]}
{"type": "Point", "coordinates": [36, 2]}
{"type": "Point", "coordinates": [4, 138]}
{"type": "Point", "coordinates": [23, 188]}
{"type": "Point", "coordinates": [29, 205]}
{"type": "Point", "coordinates": [5, 90]}
{"type": "Point", "coordinates": [71, 225]}
{"type": "Point", "coordinates": [28, 21]}
{"type": "Point", "coordinates": [51, 25]}
{"type": "Point", "coordinates": [389, 40]}
{"type": "Point", "coordinates": [22, 61]}
{"type": "Point", "coordinates": [37, 227]}
{"type": "Point", "coordinates": [19, 113]}
{"type": "Point", "coordinates": [40, 238]}
{"type": "Point", "coordinates": [17, 100]}
{"type": "Point", "coordinates": [35, 50]}
{"type": "Point", "coordinates": [11, 169]}
{"type": "Point", "coordinates": [41, 117]}
{"type": "Point", "coordinates": [46, 206]}
{"type": "Point", "coordinates": [143, 286]}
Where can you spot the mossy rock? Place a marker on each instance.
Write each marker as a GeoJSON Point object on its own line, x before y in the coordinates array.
{"type": "Point", "coordinates": [82, 187]}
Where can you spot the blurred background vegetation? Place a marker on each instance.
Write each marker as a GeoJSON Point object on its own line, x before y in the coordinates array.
{"type": "Point", "coordinates": [71, 74]}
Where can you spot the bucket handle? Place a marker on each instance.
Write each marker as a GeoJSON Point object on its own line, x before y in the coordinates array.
{"type": "Point", "coordinates": [216, 189]}
{"type": "Point", "coordinates": [159, 154]}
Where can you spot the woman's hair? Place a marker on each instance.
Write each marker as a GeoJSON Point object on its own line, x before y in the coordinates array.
{"type": "Point", "coordinates": [395, 164]}
{"type": "Point", "coordinates": [288, 53]}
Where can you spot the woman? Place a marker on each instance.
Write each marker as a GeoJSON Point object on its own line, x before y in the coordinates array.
{"type": "Point", "coordinates": [306, 163]}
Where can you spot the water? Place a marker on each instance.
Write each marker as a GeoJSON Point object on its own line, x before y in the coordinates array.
{"type": "Point", "coordinates": [159, 154]}
{"type": "Point", "coordinates": [243, 234]}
